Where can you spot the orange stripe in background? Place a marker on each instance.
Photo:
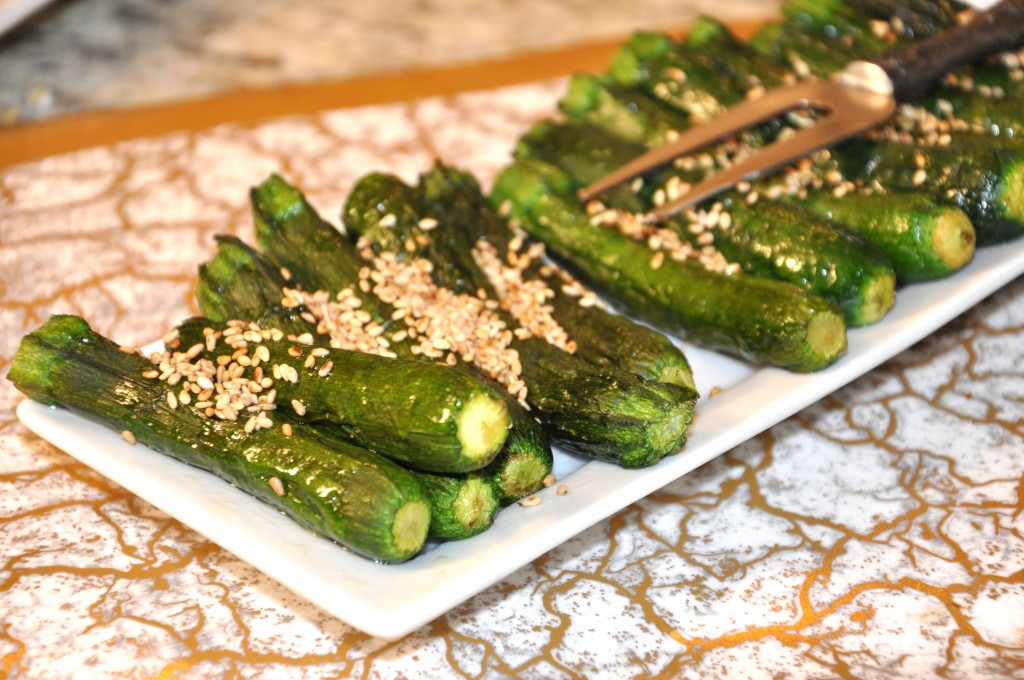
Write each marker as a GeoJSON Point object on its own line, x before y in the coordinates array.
{"type": "Point", "coordinates": [33, 140]}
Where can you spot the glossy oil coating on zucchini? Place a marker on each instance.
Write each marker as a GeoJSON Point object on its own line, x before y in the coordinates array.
{"type": "Point", "coordinates": [346, 493]}
{"type": "Point", "coordinates": [602, 412]}
{"type": "Point", "coordinates": [767, 321]}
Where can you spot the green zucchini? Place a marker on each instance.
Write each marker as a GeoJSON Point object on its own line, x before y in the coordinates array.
{"type": "Point", "coordinates": [649, 61]}
{"type": "Point", "coordinates": [767, 238]}
{"type": "Point", "coordinates": [602, 338]}
{"type": "Point", "coordinates": [720, 50]}
{"type": "Point", "coordinates": [461, 505]}
{"type": "Point", "coordinates": [427, 416]}
{"type": "Point", "coordinates": [287, 228]}
{"type": "Point", "coordinates": [916, 19]}
{"type": "Point", "coordinates": [613, 416]}
{"type": "Point", "coordinates": [979, 175]}
{"type": "Point", "coordinates": [517, 471]}
{"type": "Point", "coordinates": [999, 117]}
{"type": "Point", "coordinates": [817, 39]}
{"type": "Point", "coordinates": [769, 322]}
{"type": "Point", "coordinates": [922, 238]}
{"type": "Point", "coordinates": [802, 53]}
{"type": "Point", "coordinates": [628, 111]}
{"type": "Point", "coordinates": [350, 495]}
{"type": "Point", "coordinates": [788, 243]}
{"type": "Point", "coordinates": [321, 258]}
{"type": "Point", "coordinates": [221, 298]}
{"type": "Point", "coordinates": [834, 20]}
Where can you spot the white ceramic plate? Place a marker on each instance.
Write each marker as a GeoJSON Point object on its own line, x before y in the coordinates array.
{"type": "Point", "coordinates": [391, 601]}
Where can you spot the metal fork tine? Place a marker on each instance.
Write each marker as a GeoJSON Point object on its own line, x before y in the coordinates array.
{"type": "Point", "coordinates": [849, 114]}
{"type": "Point", "coordinates": [744, 115]}
{"type": "Point", "coordinates": [770, 157]}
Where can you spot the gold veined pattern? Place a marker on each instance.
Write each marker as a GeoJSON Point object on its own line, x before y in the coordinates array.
{"type": "Point", "coordinates": [877, 533]}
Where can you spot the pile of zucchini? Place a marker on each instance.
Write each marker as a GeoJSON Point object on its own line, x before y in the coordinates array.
{"type": "Point", "coordinates": [378, 447]}
{"type": "Point", "coordinates": [333, 374]}
{"type": "Point", "coordinates": [777, 269]}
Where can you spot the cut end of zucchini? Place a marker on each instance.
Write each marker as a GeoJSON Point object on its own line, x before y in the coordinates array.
{"type": "Point", "coordinates": [677, 375]}
{"type": "Point", "coordinates": [475, 506]}
{"type": "Point", "coordinates": [879, 297]}
{"type": "Point", "coordinates": [410, 528]}
{"type": "Point", "coordinates": [668, 435]}
{"type": "Point", "coordinates": [1013, 192]}
{"type": "Point", "coordinates": [826, 338]}
{"type": "Point", "coordinates": [482, 427]}
{"type": "Point", "coordinates": [953, 239]}
{"type": "Point", "coordinates": [521, 476]}
{"type": "Point", "coordinates": [33, 365]}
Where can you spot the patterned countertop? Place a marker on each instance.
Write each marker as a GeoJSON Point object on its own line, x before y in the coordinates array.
{"type": "Point", "coordinates": [86, 54]}
{"type": "Point", "coordinates": [876, 534]}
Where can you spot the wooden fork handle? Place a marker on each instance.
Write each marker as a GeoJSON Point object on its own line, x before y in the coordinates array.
{"type": "Point", "coordinates": [915, 69]}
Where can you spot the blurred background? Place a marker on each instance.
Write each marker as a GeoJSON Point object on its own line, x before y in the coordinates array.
{"type": "Point", "coordinates": [73, 55]}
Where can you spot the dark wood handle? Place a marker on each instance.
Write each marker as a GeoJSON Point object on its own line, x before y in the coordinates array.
{"type": "Point", "coordinates": [915, 69]}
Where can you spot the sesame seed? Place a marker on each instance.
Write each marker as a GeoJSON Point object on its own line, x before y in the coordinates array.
{"type": "Point", "coordinates": [529, 502]}
{"type": "Point", "coordinates": [562, 489]}
{"type": "Point", "coordinates": [549, 480]}
{"type": "Point", "coordinates": [326, 369]}
{"type": "Point", "coordinates": [286, 428]}
{"type": "Point", "coordinates": [128, 436]}
{"type": "Point", "coordinates": [299, 407]}
{"type": "Point", "coordinates": [277, 485]}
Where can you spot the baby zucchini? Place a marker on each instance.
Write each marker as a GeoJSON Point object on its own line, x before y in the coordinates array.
{"type": "Point", "coordinates": [770, 322]}
{"type": "Point", "coordinates": [341, 491]}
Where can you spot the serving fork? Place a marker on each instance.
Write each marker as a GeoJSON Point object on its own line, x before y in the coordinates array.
{"type": "Point", "coordinates": [860, 97]}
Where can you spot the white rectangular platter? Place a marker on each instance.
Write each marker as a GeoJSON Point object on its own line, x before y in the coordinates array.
{"type": "Point", "coordinates": [391, 601]}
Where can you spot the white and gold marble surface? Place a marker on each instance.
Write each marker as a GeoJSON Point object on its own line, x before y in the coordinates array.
{"type": "Point", "coordinates": [877, 534]}
{"type": "Point", "coordinates": [80, 55]}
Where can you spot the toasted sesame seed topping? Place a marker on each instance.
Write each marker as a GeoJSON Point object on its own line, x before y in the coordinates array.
{"type": "Point", "coordinates": [128, 436]}
{"type": "Point", "coordinates": [225, 387]}
{"type": "Point", "coordinates": [277, 485]}
{"type": "Point", "coordinates": [549, 480]}
{"type": "Point", "coordinates": [666, 241]}
{"type": "Point", "coordinates": [523, 296]}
